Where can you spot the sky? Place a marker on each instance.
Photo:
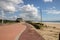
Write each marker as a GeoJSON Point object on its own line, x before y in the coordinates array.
{"type": "Point", "coordinates": [30, 9]}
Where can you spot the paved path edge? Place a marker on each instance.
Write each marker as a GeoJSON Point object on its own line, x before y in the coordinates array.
{"type": "Point", "coordinates": [17, 37]}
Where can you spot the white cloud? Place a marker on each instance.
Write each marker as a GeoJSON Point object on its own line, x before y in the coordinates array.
{"type": "Point", "coordinates": [14, 17]}
{"type": "Point", "coordinates": [48, 0]}
{"type": "Point", "coordinates": [52, 11]}
{"type": "Point", "coordinates": [52, 8]}
{"type": "Point", "coordinates": [29, 12]}
{"type": "Point", "coordinates": [9, 5]}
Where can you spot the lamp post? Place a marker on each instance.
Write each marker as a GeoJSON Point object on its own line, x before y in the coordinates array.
{"type": "Point", "coordinates": [41, 15]}
{"type": "Point", "coordinates": [2, 17]}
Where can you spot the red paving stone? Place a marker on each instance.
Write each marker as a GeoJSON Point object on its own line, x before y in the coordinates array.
{"type": "Point", "coordinates": [9, 32]}
{"type": "Point", "coordinates": [30, 34]}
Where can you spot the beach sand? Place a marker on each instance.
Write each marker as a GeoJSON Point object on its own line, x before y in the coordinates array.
{"type": "Point", "coordinates": [51, 32]}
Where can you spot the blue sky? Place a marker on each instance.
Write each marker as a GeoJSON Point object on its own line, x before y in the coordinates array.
{"type": "Point", "coordinates": [54, 5]}
{"type": "Point", "coordinates": [30, 9]}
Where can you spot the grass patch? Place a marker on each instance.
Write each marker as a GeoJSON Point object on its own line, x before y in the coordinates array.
{"type": "Point", "coordinates": [36, 25]}
{"type": "Point", "coordinates": [7, 21]}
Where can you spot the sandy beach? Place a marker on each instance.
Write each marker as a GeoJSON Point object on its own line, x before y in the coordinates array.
{"type": "Point", "coordinates": [52, 24]}
{"type": "Point", "coordinates": [51, 32]}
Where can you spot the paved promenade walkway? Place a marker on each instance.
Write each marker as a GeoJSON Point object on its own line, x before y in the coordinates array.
{"type": "Point", "coordinates": [19, 31]}
{"type": "Point", "coordinates": [11, 32]}
{"type": "Point", "coordinates": [30, 34]}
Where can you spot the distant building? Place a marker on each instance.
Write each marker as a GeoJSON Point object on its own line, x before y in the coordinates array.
{"type": "Point", "coordinates": [19, 20]}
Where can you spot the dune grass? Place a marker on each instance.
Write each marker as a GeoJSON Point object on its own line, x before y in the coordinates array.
{"type": "Point", "coordinates": [36, 25]}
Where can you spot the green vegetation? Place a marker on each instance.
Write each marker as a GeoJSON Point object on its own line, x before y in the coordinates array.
{"type": "Point", "coordinates": [19, 20]}
{"type": "Point", "coordinates": [36, 25]}
{"type": "Point", "coordinates": [7, 21]}
{"type": "Point", "coordinates": [11, 21]}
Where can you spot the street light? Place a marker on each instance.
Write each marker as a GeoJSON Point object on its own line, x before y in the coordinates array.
{"type": "Point", "coordinates": [2, 17]}
{"type": "Point", "coordinates": [41, 15]}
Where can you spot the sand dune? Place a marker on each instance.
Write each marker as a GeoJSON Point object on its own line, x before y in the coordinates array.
{"type": "Point", "coordinates": [51, 32]}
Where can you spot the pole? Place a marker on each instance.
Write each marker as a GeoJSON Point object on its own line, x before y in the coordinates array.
{"type": "Point", "coordinates": [2, 16]}
{"type": "Point", "coordinates": [41, 15]}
